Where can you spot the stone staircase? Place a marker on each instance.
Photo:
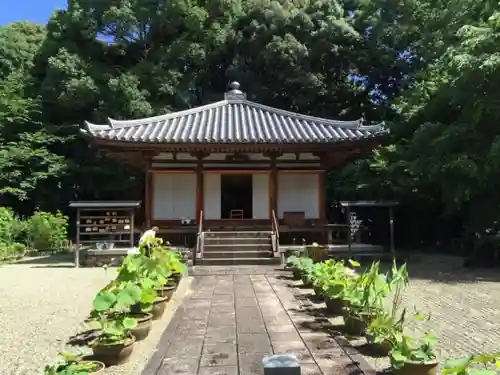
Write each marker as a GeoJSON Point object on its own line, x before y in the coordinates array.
{"type": "Point", "coordinates": [237, 248]}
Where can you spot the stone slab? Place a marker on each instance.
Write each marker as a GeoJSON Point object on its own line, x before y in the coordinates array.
{"type": "Point", "coordinates": [231, 321]}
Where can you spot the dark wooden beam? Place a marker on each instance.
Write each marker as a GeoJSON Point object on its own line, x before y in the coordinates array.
{"type": "Point", "coordinates": [242, 168]}
{"type": "Point", "coordinates": [229, 162]}
{"type": "Point", "coordinates": [272, 154]}
{"type": "Point", "coordinates": [199, 155]}
{"type": "Point", "coordinates": [238, 148]}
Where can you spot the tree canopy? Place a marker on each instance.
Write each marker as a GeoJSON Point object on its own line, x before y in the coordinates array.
{"type": "Point", "coordinates": [427, 68]}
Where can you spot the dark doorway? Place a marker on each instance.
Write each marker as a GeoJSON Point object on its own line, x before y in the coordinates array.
{"type": "Point", "coordinates": [236, 196]}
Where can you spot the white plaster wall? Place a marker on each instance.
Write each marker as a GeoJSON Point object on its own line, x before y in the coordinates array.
{"type": "Point", "coordinates": [174, 196]}
{"type": "Point", "coordinates": [212, 196]}
{"type": "Point", "coordinates": [298, 192]}
{"type": "Point", "coordinates": [260, 197]}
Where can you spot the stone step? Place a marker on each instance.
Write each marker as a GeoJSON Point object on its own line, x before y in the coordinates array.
{"type": "Point", "coordinates": [238, 261]}
{"type": "Point", "coordinates": [237, 247]}
{"type": "Point", "coordinates": [236, 240]}
{"type": "Point", "coordinates": [237, 254]}
{"type": "Point", "coordinates": [234, 234]}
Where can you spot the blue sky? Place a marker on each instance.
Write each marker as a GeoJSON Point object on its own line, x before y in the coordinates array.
{"type": "Point", "coordinates": [28, 10]}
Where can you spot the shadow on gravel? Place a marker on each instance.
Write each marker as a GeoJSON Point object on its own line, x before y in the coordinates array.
{"type": "Point", "coordinates": [49, 261]}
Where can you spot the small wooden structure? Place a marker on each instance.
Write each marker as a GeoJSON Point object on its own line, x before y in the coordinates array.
{"type": "Point", "coordinates": [349, 205]}
{"type": "Point", "coordinates": [104, 228]}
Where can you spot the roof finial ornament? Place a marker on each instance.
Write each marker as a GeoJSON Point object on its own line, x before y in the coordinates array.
{"type": "Point", "coordinates": [234, 92]}
{"type": "Point", "coordinates": [235, 85]}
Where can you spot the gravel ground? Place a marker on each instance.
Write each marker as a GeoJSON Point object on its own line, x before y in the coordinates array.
{"type": "Point", "coordinates": [43, 303]}
{"type": "Point", "coordinates": [464, 305]}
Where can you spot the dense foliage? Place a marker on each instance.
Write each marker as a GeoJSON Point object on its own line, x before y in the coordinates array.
{"type": "Point", "coordinates": [42, 231]}
{"type": "Point", "coordinates": [427, 68]}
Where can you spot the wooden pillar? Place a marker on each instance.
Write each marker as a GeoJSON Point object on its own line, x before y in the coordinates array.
{"type": "Point", "coordinates": [199, 190]}
{"type": "Point", "coordinates": [391, 233]}
{"type": "Point", "coordinates": [273, 188]}
{"type": "Point", "coordinates": [321, 197]}
{"type": "Point", "coordinates": [349, 235]}
{"type": "Point", "coordinates": [148, 207]}
{"type": "Point", "coordinates": [77, 249]}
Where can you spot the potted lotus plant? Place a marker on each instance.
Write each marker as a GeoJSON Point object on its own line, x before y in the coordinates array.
{"type": "Point", "coordinates": [167, 264]}
{"type": "Point", "coordinates": [336, 284]}
{"type": "Point", "coordinates": [322, 273]}
{"type": "Point", "coordinates": [73, 364]}
{"type": "Point", "coordinates": [308, 270]}
{"type": "Point", "coordinates": [365, 297]}
{"type": "Point", "coordinates": [386, 324]}
{"type": "Point", "coordinates": [135, 270]}
{"type": "Point", "coordinates": [292, 262]}
{"type": "Point", "coordinates": [469, 365]}
{"type": "Point", "coordinates": [177, 266]}
{"type": "Point", "coordinates": [410, 356]}
{"type": "Point", "coordinates": [299, 265]}
{"type": "Point", "coordinates": [381, 330]}
{"type": "Point", "coordinates": [151, 271]}
{"type": "Point", "coordinates": [114, 341]}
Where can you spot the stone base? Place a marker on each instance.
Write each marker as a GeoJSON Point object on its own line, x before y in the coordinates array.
{"type": "Point", "coordinates": [101, 260]}
{"type": "Point", "coordinates": [113, 257]}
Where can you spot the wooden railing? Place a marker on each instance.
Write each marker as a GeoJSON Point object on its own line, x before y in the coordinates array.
{"type": "Point", "coordinates": [199, 240]}
{"type": "Point", "coordinates": [275, 235]}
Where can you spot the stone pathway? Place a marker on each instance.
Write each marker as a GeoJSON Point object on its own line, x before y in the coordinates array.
{"type": "Point", "coordinates": [232, 321]}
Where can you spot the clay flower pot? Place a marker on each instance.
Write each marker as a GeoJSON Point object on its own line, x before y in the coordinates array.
{"type": "Point", "coordinates": [418, 368]}
{"type": "Point", "coordinates": [144, 324]}
{"type": "Point", "coordinates": [176, 277]}
{"type": "Point", "coordinates": [334, 305]}
{"type": "Point", "coordinates": [297, 274]}
{"type": "Point", "coordinates": [159, 306]}
{"type": "Point", "coordinates": [318, 291]}
{"type": "Point", "coordinates": [380, 349]}
{"type": "Point", "coordinates": [356, 324]}
{"type": "Point", "coordinates": [167, 290]}
{"type": "Point", "coordinates": [114, 354]}
{"type": "Point", "coordinates": [307, 282]}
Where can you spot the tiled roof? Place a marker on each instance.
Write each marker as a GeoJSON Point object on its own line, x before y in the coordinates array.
{"type": "Point", "coordinates": [234, 120]}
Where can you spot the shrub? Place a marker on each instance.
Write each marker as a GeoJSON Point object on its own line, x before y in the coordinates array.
{"type": "Point", "coordinates": [46, 231]}
{"type": "Point", "coordinates": [11, 228]}
{"type": "Point", "coordinates": [11, 251]}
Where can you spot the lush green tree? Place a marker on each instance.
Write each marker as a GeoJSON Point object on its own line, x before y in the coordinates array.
{"type": "Point", "coordinates": [426, 67]}
{"type": "Point", "coordinates": [26, 160]}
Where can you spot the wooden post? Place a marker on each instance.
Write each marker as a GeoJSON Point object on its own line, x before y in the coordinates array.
{"type": "Point", "coordinates": [132, 215]}
{"type": "Point", "coordinates": [273, 188]}
{"type": "Point", "coordinates": [77, 250]}
{"type": "Point", "coordinates": [391, 229]}
{"type": "Point", "coordinates": [199, 190]}
{"type": "Point", "coordinates": [148, 198]}
{"type": "Point", "coordinates": [349, 235]}
{"type": "Point", "coordinates": [321, 197]}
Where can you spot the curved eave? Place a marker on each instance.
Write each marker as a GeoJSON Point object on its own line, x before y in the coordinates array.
{"type": "Point", "coordinates": [366, 143]}
{"type": "Point", "coordinates": [92, 128]}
